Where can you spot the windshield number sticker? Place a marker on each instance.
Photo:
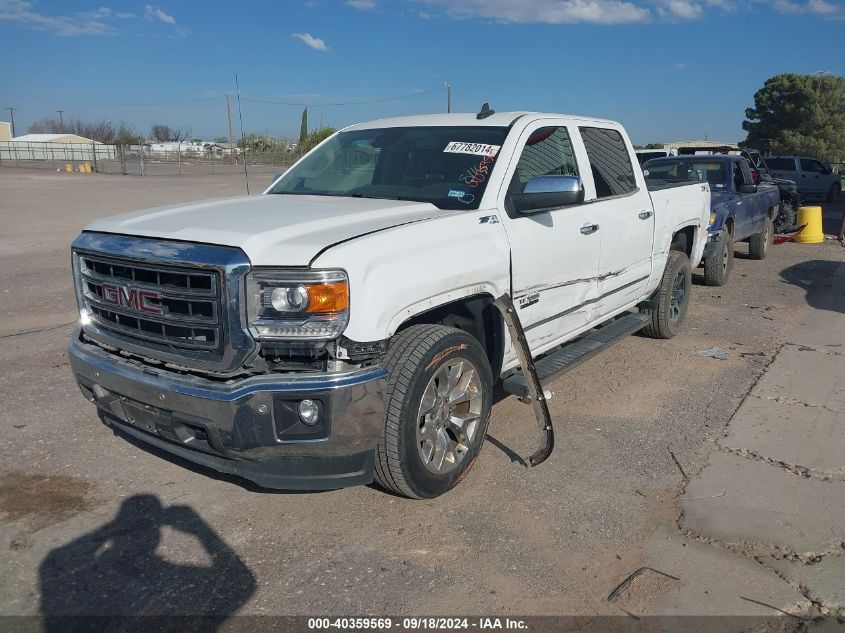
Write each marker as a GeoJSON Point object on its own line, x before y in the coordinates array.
{"type": "Point", "coordinates": [477, 149]}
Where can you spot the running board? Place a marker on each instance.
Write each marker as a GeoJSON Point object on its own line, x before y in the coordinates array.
{"type": "Point", "coordinates": [573, 354]}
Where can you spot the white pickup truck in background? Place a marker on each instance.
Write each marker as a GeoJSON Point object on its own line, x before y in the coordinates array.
{"type": "Point", "coordinates": [350, 323]}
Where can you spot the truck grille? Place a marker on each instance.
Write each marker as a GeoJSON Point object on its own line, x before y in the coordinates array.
{"type": "Point", "coordinates": [171, 307]}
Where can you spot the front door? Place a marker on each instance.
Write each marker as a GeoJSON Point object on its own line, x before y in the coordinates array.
{"type": "Point", "coordinates": [813, 178]}
{"type": "Point", "coordinates": [555, 253]}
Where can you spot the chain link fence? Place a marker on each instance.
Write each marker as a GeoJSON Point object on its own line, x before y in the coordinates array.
{"type": "Point", "coordinates": [140, 160]}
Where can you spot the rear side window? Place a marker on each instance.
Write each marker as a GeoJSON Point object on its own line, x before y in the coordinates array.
{"type": "Point", "coordinates": [780, 164]}
{"type": "Point", "coordinates": [609, 161]}
{"type": "Point", "coordinates": [547, 152]}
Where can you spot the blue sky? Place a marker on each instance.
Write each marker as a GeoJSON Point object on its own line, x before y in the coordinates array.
{"type": "Point", "coordinates": [667, 69]}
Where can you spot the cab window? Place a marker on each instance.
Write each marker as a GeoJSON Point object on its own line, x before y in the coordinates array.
{"type": "Point", "coordinates": [610, 162]}
{"type": "Point", "coordinates": [815, 166]}
{"type": "Point", "coordinates": [547, 152]}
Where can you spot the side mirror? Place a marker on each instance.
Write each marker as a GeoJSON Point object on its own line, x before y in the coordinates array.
{"type": "Point", "coordinates": [548, 192]}
{"type": "Point", "coordinates": [276, 176]}
{"type": "Point", "coordinates": [748, 189]}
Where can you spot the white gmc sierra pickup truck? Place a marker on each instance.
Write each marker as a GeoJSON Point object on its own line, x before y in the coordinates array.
{"type": "Point", "coordinates": [350, 323]}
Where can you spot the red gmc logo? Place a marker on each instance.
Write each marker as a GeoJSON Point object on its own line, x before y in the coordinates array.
{"type": "Point", "coordinates": [132, 298]}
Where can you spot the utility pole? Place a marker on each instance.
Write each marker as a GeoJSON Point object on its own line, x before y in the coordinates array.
{"type": "Point", "coordinates": [231, 144]}
{"type": "Point", "coordinates": [448, 96]}
{"type": "Point", "coordinates": [12, 116]}
{"type": "Point", "coordinates": [61, 121]}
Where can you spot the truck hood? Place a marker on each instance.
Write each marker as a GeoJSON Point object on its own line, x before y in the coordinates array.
{"type": "Point", "coordinates": [272, 229]}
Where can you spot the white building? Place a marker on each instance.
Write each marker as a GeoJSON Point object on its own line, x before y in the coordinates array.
{"type": "Point", "coordinates": [196, 149]}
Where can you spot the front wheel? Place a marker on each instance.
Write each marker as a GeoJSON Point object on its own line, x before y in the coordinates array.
{"type": "Point", "coordinates": [758, 244]}
{"type": "Point", "coordinates": [719, 261]}
{"type": "Point", "coordinates": [439, 396]}
{"type": "Point", "coordinates": [672, 298]}
{"type": "Point", "coordinates": [785, 218]}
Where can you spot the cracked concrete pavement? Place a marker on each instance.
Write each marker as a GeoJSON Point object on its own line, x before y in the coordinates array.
{"type": "Point", "coordinates": [763, 522]}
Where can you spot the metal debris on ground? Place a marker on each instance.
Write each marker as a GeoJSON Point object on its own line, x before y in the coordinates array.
{"type": "Point", "coordinates": [713, 352]}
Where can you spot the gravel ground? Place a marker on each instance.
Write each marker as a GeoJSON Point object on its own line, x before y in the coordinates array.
{"type": "Point", "coordinates": [85, 514]}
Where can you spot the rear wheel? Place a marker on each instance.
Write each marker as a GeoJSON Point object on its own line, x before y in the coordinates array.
{"type": "Point", "coordinates": [758, 244]}
{"type": "Point", "coordinates": [439, 397]}
{"type": "Point", "coordinates": [673, 297]}
{"type": "Point", "coordinates": [719, 262]}
{"type": "Point", "coordinates": [833, 194]}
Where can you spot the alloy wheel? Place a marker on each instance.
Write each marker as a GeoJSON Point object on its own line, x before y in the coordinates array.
{"type": "Point", "coordinates": [449, 414]}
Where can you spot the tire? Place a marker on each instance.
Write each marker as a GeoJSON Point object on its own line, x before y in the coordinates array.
{"type": "Point", "coordinates": [671, 311]}
{"type": "Point", "coordinates": [719, 263]}
{"type": "Point", "coordinates": [409, 449]}
{"type": "Point", "coordinates": [758, 244]}
{"type": "Point", "coordinates": [785, 219]}
{"type": "Point", "coordinates": [833, 194]}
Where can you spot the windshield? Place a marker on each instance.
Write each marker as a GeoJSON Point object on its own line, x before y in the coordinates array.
{"type": "Point", "coordinates": [446, 166]}
{"type": "Point", "coordinates": [684, 170]}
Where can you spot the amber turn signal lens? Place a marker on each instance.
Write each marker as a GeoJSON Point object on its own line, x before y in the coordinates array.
{"type": "Point", "coordinates": [328, 297]}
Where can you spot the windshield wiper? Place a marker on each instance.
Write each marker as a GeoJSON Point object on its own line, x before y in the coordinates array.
{"type": "Point", "coordinates": [361, 195]}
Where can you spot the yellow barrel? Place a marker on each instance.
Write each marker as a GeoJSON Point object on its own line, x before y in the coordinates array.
{"type": "Point", "coordinates": [69, 167]}
{"type": "Point", "coordinates": [812, 233]}
{"type": "Point", "coordinates": [86, 168]}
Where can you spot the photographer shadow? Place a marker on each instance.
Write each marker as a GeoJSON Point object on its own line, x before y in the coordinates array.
{"type": "Point", "coordinates": [114, 574]}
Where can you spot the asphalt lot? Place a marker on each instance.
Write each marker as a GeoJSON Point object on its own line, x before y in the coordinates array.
{"type": "Point", "coordinates": [90, 523]}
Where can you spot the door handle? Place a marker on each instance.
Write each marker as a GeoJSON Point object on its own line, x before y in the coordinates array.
{"type": "Point", "coordinates": [645, 215]}
{"type": "Point", "coordinates": [589, 228]}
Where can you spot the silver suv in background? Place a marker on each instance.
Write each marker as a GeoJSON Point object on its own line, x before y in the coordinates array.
{"type": "Point", "coordinates": [813, 177]}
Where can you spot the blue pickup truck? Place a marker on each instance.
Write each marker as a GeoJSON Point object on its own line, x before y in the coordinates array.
{"type": "Point", "coordinates": [741, 211]}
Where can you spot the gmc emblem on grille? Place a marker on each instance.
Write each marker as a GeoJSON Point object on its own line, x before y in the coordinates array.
{"type": "Point", "coordinates": [132, 298]}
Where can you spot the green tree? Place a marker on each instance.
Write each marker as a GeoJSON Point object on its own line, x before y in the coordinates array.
{"type": "Point", "coordinates": [315, 138]}
{"type": "Point", "coordinates": [259, 143]}
{"type": "Point", "coordinates": [654, 146]}
{"type": "Point", "coordinates": [798, 114]}
{"type": "Point", "coordinates": [303, 127]}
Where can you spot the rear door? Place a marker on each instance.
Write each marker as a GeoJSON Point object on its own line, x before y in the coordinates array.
{"type": "Point", "coordinates": [620, 202]}
{"type": "Point", "coordinates": [554, 253]}
{"type": "Point", "coordinates": [783, 167]}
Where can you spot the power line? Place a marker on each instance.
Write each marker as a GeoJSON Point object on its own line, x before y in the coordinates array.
{"type": "Point", "coordinates": [268, 102]}
{"type": "Point", "coordinates": [346, 103]}
{"type": "Point", "coordinates": [131, 105]}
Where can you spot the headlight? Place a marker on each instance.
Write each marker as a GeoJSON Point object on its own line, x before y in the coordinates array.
{"type": "Point", "coordinates": [297, 305]}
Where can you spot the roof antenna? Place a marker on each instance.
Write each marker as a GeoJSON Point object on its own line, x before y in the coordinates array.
{"type": "Point", "coordinates": [485, 112]}
{"type": "Point", "coordinates": [243, 140]}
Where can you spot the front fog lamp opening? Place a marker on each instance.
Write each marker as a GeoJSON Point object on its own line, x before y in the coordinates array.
{"type": "Point", "coordinates": [309, 412]}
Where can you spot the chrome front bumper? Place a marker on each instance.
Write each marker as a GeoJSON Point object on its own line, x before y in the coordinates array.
{"type": "Point", "coordinates": [245, 427]}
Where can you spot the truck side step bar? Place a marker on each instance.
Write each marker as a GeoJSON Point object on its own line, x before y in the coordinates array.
{"type": "Point", "coordinates": [573, 354]}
